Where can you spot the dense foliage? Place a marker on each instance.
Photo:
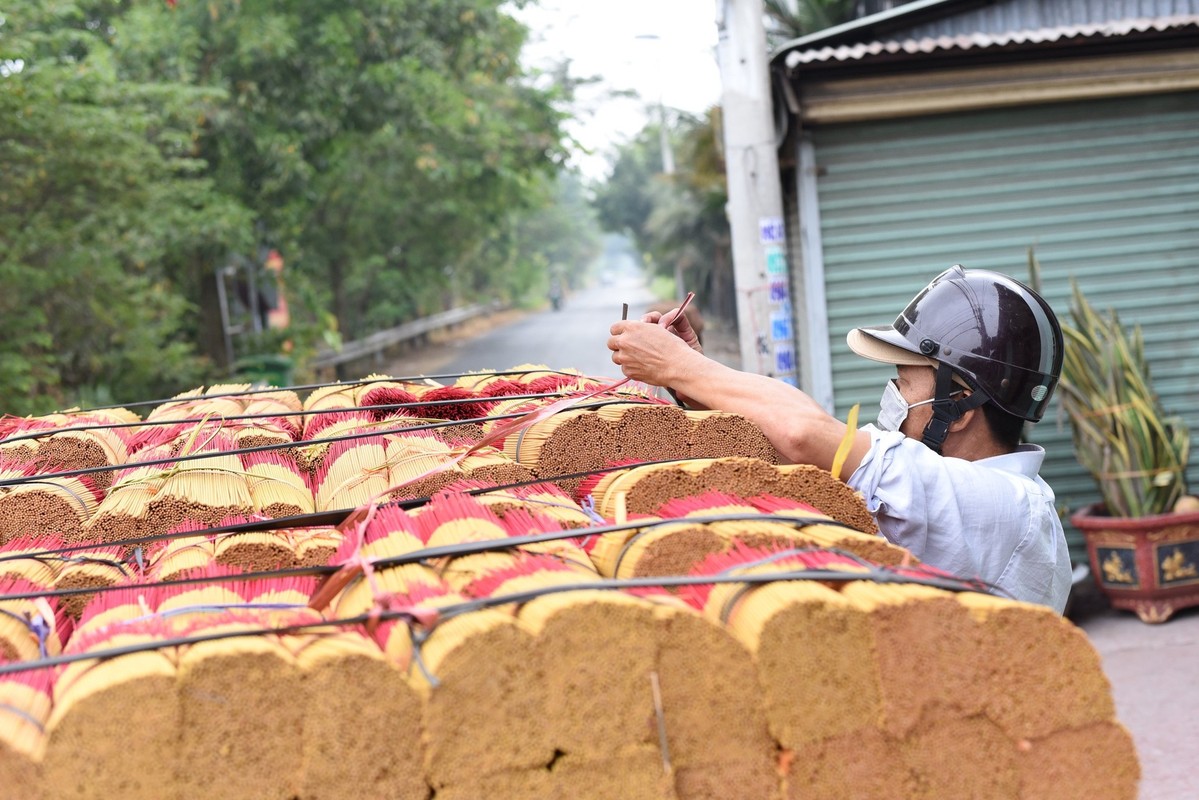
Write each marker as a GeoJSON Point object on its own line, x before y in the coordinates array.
{"type": "Point", "coordinates": [677, 221]}
{"type": "Point", "coordinates": [391, 150]}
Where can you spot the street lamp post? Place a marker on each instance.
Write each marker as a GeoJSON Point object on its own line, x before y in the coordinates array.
{"type": "Point", "coordinates": [667, 159]}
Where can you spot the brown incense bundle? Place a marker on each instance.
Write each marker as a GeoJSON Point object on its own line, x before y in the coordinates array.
{"type": "Point", "coordinates": [24, 709]}
{"type": "Point", "coordinates": [420, 465]}
{"type": "Point", "coordinates": [646, 431]}
{"type": "Point", "coordinates": [643, 490]}
{"type": "Point", "coordinates": [816, 486]}
{"type": "Point", "coordinates": [315, 547]}
{"type": "Point", "coordinates": [86, 449]}
{"type": "Point", "coordinates": [717, 434]}
{"type": "Point", "coordinates": [17, 441]}
{"type": "Point", "coordinates": [87, 569]}
{"type": "Point", "coordinates": [1052, 673]}
{"type": "Point", "coordinates": [154, 499]}
{"type": "Point", "coordinates": [571, 441]}
{"type": "Point", "coordinates": [1093, 761]}
{"type": "Point", "coordinates": [674, 548]}
{"type": "Point", "coordinates": [909, 686]}
{"type": "Point", "coordinates": [277, 484]}
{"type": "Point", "coordinates": [60, 506]}
{"type": "Point", "coordinates": [176, 556]}
{"type": "Point", "coordinates": [21, 558]}
{"type": "Point", "coordinates": [361, 722]}
{"type": "Point", "coordinates": [613, 662]}
{"type": "Point", "coordinates": [720, 747]}
{"type": "Point", "coordinates": [489, 465]}
{"type": "Point", "coordinates": [255, 551]}
{"type": "Point", "coordinates": [485, 715]}
{"type": "Point", "coordinates": [804, 628]}
{"type": "Point", "coordinates": [116, 723]}
{"type": "Point", "coordinates": [103, 443]}
{"type": "Point", "coordinates": [598, 651]}
{"type": "Point", "coordinates": [241, 727]}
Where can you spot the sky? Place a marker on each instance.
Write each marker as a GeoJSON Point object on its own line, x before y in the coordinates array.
{"type": "Point", "coordinates": [665, 50]}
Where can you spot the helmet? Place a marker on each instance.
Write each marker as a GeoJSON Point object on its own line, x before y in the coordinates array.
{"type": "Point", "coordinates": [996, 334]}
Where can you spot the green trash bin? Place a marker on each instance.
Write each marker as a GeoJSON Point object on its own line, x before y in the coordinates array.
{"type": "Point", "coordinates": [265, 370]}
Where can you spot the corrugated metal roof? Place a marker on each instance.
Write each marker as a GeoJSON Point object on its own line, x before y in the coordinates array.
{"type": "Point", "coordinates": [1109, 29]}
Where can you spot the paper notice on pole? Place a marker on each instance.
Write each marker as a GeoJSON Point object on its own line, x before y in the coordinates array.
{"type": "Point", "coordinates": [771, 230]}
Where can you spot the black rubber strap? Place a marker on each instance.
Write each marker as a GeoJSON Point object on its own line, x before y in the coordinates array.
{"type": "Point", "coordinates": [947, 410]}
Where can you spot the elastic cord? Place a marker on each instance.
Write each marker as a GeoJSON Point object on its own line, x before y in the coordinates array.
{"type": "Point", "coordinates": [24, 715]}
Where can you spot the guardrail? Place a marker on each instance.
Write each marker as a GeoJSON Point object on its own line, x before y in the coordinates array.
{"type": "Point", "coordinates": [379, 341]}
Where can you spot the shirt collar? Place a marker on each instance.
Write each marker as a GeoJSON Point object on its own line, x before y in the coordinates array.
{"type": "Point", "coordinates": [1024, 460]}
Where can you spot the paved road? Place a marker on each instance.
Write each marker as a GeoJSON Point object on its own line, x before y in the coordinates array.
{"type": "Point", "coordinates": [575, 337]}
{"type": "Point", "coordinates": [1153, 671]}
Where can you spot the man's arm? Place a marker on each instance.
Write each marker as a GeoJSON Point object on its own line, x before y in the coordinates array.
{"type": "Point", "coordinates": [798, 428]}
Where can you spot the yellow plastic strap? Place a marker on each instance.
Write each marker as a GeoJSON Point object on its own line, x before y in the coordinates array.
{"type": "Point", "coordinates": [851, 430]}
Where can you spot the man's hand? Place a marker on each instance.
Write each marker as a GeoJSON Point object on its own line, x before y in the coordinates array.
{"type": "Point", "coordinates": [647, 352]}
{"type": "Point", "coordinates": [676, 323]}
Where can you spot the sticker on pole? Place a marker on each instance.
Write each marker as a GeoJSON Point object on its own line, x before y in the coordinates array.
{"type": "Point", "coordinates": [771, 230]}
{"type": "Point", "coordinates": [776, 261]}
{"type": "Point", "coordinates": [780, 326]}
{"type": "Point", "coordinates": [784, 359]}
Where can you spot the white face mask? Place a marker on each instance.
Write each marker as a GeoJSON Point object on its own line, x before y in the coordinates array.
{"type": "Point", "coordinates": [893, 409]}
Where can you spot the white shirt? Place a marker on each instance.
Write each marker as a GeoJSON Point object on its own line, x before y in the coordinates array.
{"type": "Point", "coordinates": [992, 519]}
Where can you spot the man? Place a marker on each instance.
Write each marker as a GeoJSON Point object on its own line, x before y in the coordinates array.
{"type": "Point", "coordinates": [977, 355]}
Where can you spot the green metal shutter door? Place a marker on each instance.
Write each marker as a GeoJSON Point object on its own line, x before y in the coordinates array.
{"type": "Point", "coordinates": [1107, 192]}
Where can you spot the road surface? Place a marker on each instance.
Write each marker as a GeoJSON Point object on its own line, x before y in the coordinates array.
{"type": "Point", "coordinates": [572, 338]}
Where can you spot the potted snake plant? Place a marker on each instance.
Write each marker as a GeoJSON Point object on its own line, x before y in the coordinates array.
{"type": "Point", "coordinates": [1143, 538]}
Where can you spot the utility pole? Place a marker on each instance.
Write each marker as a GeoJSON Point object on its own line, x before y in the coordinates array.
{"type": "Point", "coordinates": [755, 207]}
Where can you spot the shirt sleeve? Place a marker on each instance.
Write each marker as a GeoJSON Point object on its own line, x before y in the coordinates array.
{"type": "Point", "coordinates": [969, 518]}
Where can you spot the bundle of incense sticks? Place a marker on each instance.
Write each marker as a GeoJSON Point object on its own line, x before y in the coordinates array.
{"type": "Point", "coordinates": [546, 498]}
{"type": "Point", "coordinates": [25, 702]}
{"type": "Point", "coordinates": [895, 671]}
{"type": "Point", "coordinates": [522, 375]}
{"type": "Point", "coordinates": [26, 558]}
{"type": "Point", "coordinates": [643, 490]}
{"type": "Point", "coordinates": [278, 485]}
{"type": "Point", "coordinates": [768, 645]}
{"type": "Point", "coordinates": [321, 405]}
{"type": "Point", "coordinates": [94, 567]}
{"type": "Point", "coordinates": [71, 440]}
{"type": "Point", "coordinates": [375, 750]}
{"type": "Point", "coordinates": [154, 498]}
{"type": "Point", "coordinates": [42, 505]}
{"type": "Point", "coordinates": [422, 464]}
{"type": "Point", "coordinates": [670, 544]}
{"type": "Point", "coordinates": [30, 627]}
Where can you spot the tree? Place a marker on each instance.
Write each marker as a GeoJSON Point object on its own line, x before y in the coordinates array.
{"type": "Point", "coordinates": [378, 141]}
{"type": "Point", "coordinates": [96, 194]}
{"type": "Point", "coordinates": [676, 220]}
{"type": "Point", "coordinates": [380, 145]}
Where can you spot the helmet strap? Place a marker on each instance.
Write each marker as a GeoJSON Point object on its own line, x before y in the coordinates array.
{"type": "Point", "coordinates": [947, 410]}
